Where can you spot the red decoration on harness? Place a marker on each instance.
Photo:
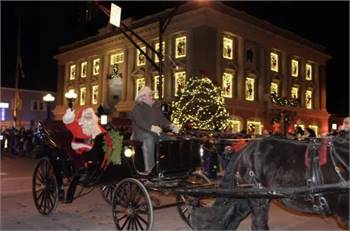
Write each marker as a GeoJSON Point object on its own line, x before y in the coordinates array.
{"type": "Point", "coordinates": [322, 155]}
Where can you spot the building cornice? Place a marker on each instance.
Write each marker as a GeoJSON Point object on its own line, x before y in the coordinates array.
{"type": "Point", "coordinates": [150, 23]}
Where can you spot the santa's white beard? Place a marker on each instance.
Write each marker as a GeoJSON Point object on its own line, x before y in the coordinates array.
{"type": "Point", "coordinates": [89, 127]}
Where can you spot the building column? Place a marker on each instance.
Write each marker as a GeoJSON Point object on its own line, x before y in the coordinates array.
{"type": "Point", "coordinates": [322, 87]}
{"type": "Point", "coordinates": [240, 72]}
{"type": "Point", "coordinates": [104, 81]}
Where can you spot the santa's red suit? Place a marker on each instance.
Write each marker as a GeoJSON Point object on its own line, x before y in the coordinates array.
{"type": "Point", "coordinates": [84, 128]}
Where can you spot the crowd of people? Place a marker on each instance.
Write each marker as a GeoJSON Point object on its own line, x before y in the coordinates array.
{"type": "Point", "coordinates": [19, 140]}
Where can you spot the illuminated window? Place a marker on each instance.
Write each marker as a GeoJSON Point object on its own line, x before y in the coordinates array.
{"type": "Point", "coordinates": [295, 68]}
{"type": "Point", "coordinates": [72, 72]}
{"type": "Point", "coordinates": [308, 99]}
{"type": "Point", "coordinates": [140, 58]}
{"type": "Point", "coordinates": [82, 99]}
{"type": "Point", "coordinates": [180, 47]}
{"type": "Point", "coordinates": [294, 93]}
{"type": "Point", "coordinates": [274, 62]}
{"type": "Point", "coordinates": [140, 83]}
{"type": "Point", "coordinates": [180, 82]}
{"type": "Point", "coordinates": [308, 74]}
{"type": "Point", "coordinates": [249, 89]}
{"type": "Point", "coordinates": [83, 70]}
{"type": "Point", "coordinates": [235, 125]}
{"type": "Point", "coordinates": [227, 85]}
{"type": "Point", "coordinates": [227, 51]}
{"type": "Point", "coordinates": [274, 88]}
{"type": "Point", "coordinates": [94, 94]}
{"type": "Point", "coordinates": [315, 128]}
{"type": "Point", "coordinates": [117, 58]}
{"type": "Point", "coordinates": [96, 66]}
{"type": "Point", "coordinates": [155, 86]}
{"type": "Point", "coordinates": [157, 47]}
{"type": "Point", "coordinates": [254, 127]}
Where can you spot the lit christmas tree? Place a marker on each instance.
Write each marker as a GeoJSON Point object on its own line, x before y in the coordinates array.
{"type": "Point", "coordinates": [201, 105]}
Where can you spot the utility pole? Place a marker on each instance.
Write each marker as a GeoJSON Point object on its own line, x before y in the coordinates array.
{"type": "Point", "coordinates": [19, 71]}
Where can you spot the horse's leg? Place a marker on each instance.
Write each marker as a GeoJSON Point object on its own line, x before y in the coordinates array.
{"type": "Point", "coordinates": [342, 211]}
{"type": "Point", "coordinates": [260, 213]}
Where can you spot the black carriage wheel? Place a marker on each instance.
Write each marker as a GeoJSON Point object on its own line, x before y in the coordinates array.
{"type": "Point", "coordinates": [44, 187]}
{"type": "Point", "coordinates": [185, 203]}
{"type": "Point", "coordinates": [132, 207]}
{"type": "Point", "coordinates": [107, 192]}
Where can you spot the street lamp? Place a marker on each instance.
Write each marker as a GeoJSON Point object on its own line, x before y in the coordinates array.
{"type": "Point", "coordinates": [48, 99]}
{"type": "Point", "coordinates": [70, 96]}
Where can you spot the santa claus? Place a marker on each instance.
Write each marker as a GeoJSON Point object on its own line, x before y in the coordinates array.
{"type": "Point", "coordinates": [88, 135]}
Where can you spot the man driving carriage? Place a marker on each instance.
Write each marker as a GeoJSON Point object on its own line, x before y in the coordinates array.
{"type": "Point", "coordinates": [147, 123]}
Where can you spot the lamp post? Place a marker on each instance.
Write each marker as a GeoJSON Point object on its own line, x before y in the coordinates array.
{"type": "Point", "coordinates": [70, 96]}
{"type": "Point", "coordinates": [48, 99]}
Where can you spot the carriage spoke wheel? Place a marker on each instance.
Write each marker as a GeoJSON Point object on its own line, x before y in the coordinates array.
{"type": "Point", "coordinates": [107, 192]}
{"type": "Point", "coordinates": [44, 187]}
{"type": "Point", "coordinates": [132, 206]}
{"type": "Point", "coordinates": [186, 204]}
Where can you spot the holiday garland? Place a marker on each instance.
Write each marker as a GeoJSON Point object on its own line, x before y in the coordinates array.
{"type": "Point", "coordinates": [284, 101]}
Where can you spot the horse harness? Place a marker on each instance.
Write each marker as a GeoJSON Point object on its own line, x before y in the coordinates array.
{"type": "Point", "coordinates": [314, 176]}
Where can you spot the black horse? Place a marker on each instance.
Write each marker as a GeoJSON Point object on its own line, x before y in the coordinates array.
{"type": "Point", "coordinates": [277, 162]}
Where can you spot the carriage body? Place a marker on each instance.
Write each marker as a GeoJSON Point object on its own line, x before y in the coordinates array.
{"type": "Point", "coordinates": [59, 167]}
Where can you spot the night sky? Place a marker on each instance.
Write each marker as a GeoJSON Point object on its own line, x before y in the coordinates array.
{"type": "Point", "coordinates": [49, 25]}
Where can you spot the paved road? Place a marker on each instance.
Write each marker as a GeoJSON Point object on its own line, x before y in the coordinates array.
{"type": "Point", "coordinates": [91, 212]}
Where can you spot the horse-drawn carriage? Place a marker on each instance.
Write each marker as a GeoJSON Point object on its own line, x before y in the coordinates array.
{"type": "Point", "coordinates": [310, 176]}
{"type": "Point", "coordinates": [178, 162]}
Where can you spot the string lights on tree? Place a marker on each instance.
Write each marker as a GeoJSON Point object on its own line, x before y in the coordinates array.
{"type": "Point", "coordinates": [200, 106]}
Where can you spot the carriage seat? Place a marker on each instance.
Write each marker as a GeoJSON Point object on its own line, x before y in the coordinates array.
{"type": "Point", "coordinates": [62, 138]}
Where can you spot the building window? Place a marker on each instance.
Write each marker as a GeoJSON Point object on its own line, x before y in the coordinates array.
{"type": "Point", "coordinates": [227, 51]}
{"type": "Point", "coordinates": [94, 95]}
{"type": "Point", "coordinates": [235, 125]}
{"type": "Point", "coordinates": [155, 86]}
{"type": "Point", "coordinates": [254, 127]}
{"type": "Point", "coordinates": [37, 105]}
{"type": "Point", "coordinates": [294, 93]}
{"type": "Point", "coordinates": [308, 74]}
{"type": "Point", "coordinates": [96, 66]}
{"type": "Point", "coordinates": [274, 61]}
{"type": "Point", "coordinates": [295, 68]}
{"type": "Point", "coordinates": [249, 56]}
{"type": "Point", "coordinates": [83, 69]}
{"type": "Point", "coordinates": [180, 47]}
{"type": "Point", "coordinates": [82, 99]}
{"type": "Point", "coordinates": [227, 82]}
{"type": "Point", "coordinates": [274, 88]}
{"type": "Point", "coordinates": [249, 89]}
{"type": "Point", "coordinates": [72, 72]}
{"type": "Point", "coordinates": [140, 58]}
{"type": "Point", "coordinates": [308, 99]}
{"type": "Point", "coordinates": [180, 82]}
{"type": "Point", "coordinates": [117, 58]}
{"type": "Point", "coordinates": [157, 47]}
{"type": "Point", "coordinates": [315, 128]}
{"type": "Point", "coordinates": [140, 83]}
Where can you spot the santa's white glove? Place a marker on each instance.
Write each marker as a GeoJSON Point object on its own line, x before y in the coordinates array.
{"type": "Point", "coordinates": [175, 128]}
{"type": "Point", "coordinates": [156, 129]}
{"type": "Point", "coordinates": [69, 116]}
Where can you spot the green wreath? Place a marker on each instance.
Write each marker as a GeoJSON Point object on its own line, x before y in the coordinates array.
{"type": "Point", "coordinates": [117, 146]}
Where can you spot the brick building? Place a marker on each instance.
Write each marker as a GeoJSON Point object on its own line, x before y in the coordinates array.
{"type": "Point", "coordinates": [249, 58]}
